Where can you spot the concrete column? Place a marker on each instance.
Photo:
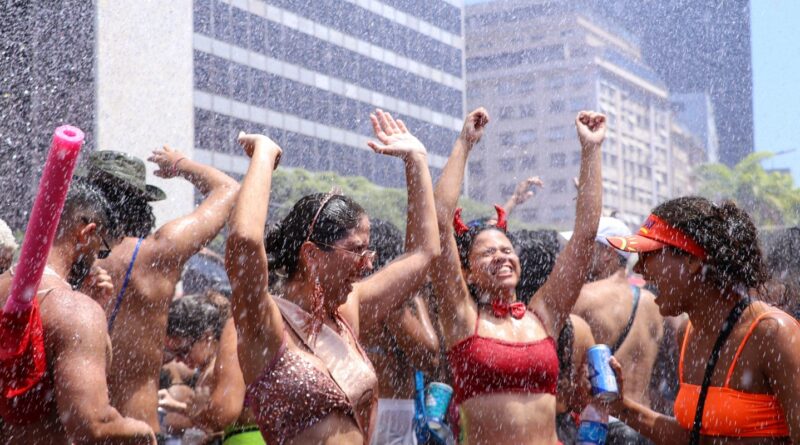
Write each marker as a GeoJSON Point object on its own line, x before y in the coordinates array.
{"type": "Point", "coordinates": [144, 69]}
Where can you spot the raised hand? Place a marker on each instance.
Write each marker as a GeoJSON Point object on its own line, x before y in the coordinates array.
{"type": "Point", "coordinates": [394, 137]}
{"type": "Point", "coordinates": [167, 160]}
{"type": "Point", "coordinates": [250, 142]}
{"type": "Point", "coordinates": [474, 124]}
{"type": "Point", "coordinates": [591, 128]}
{"type": "Point", "coordinates": [523, 191]}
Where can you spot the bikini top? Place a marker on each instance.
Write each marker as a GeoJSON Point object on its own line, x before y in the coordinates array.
{"type": "Point", "coordinates": [484, 365]}
{"type": "Point", "coordinates": [728, 412]}
{"type": "Point", "coordinates": [292, 394]}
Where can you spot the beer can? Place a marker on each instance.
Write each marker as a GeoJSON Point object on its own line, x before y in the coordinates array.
{"type": "Point", "coordinates": [602, 377]}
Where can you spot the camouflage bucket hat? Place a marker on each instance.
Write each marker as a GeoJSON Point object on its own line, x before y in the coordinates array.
{"type": "Point", "coordinates": [120, 170]}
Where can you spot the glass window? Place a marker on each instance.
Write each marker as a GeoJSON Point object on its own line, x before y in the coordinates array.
{"type": "Point", "coordinates": [556, 106]}
{"type": "Point", "coordinates": [558, 159]}
{"type": "Point", "coordinates": [507, 165]}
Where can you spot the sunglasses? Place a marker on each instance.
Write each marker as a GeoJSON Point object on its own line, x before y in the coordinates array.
{"type": "Point", "coordinates": [106, 250]}
{"type": "Point", "coordinates": [364, 254]}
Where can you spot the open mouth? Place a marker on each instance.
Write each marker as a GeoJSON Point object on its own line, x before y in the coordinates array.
{"type": "Point", "coordinates": [503, 271]}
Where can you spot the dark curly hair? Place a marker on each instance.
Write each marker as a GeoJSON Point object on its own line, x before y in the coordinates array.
{"type": "Point", "coordinates": [192, 316]}
{"type": "Point", "coordinates": [386, 240]}
{"type": "Point", "coordinates": [726, 233]}
{"type": "Point", "coordinates": [339, 215]}
{"type": "Point", "coordinates": [537, 252]}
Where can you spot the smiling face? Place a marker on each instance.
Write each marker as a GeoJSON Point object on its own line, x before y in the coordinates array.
{"type": "Point", "coordinates": [493, 264]}
{"type": "Point", "coordinates": [343, 264]}
{"type": "Point", "coordinates": [674, 274]}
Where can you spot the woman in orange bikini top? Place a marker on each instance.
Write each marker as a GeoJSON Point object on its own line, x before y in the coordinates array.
{"type": "Point", "coordinates": [703, 258]}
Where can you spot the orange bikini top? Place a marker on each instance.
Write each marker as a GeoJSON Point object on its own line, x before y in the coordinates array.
{"type": "Point", "coordinates": [728, 412]}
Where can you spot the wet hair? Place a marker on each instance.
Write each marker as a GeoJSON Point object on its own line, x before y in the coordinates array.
{"type": "Point", "coordinates": [386, 240]}
{"type": "Point", "coordinates": [339, 215]}
{"type": "Point", "coordinates": [203, 273]}
{"type": "Point", "coordinates": [86, 204]}
{"type": "Point", "coordinates": [726, 233]}
{"type": "Point", "coordinates": [537, 251]}
{"type": "Point", "coordinates": [465, 240]}
{"type": "Point", "coordinates": [133, 213]}
{"type": "Point", "coordinates": [784, 267]}
{"type": "Point", "coordinates": [192, 316]}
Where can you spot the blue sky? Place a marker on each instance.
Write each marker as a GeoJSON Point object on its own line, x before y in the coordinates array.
{"type": "Point", "coordinates": [776, 80]}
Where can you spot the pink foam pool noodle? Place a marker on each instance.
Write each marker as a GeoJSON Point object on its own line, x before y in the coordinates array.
{"type": "Point", "coordinates": [46, 214]}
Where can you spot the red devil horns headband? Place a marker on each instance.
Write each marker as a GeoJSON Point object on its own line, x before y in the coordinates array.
{"type": "Point", "coordinates": [501, 218]}
{"type": "Point", "coordinates": [458, 223]}
{"type": "Point", "coordinates": [462, 228]}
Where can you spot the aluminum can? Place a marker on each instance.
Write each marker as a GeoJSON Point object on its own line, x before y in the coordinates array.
{"type": "Point", "coordinates": [602, 377]}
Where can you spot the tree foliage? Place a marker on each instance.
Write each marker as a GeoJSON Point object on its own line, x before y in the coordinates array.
{"type": "Point", "coordinates": [291, 184]}
{"type": "Point", "coordinates": [770, 198]}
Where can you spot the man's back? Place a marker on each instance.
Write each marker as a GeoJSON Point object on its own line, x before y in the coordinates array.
{"type": "Point", "coordinates": [607, 307]}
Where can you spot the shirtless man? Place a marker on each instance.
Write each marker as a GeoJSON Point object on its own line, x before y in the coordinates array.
{"type": "Point", "coordinates": [632, 331]}
{"type": "Point", "coordinates": [71, 404]}
{"type": "Point", "coordinates": [138, 316]}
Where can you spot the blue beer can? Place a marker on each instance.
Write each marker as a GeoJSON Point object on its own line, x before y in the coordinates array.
{"type": "Point", "coordinates": [602, 377]}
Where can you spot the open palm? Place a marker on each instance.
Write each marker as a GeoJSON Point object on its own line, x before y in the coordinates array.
{"type": "Point", "coordinates": [394, 137]}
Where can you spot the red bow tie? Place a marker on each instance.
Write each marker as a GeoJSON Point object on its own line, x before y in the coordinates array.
{"type": "Point", "coordinates": [502, 309]}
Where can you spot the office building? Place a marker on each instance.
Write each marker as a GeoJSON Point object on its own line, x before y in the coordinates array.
{"type": "Point", "coordinates": [191, 74]}
{"type": "Point", "coordinates": [534, 66]}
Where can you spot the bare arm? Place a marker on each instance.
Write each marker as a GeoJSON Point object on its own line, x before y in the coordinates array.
{"type": "Point", "coordinates": [259, 325]}
{"type": "Point", "coordinates": [554, 300]}
{"type": "Point", "coordinates": [783, 367]}
{"type": "Point", "coordinates": [227, 395]}
{"type": "Point", "coordinates": [415, 335]}
{"type": "Point", "coordinates": [79, 331]}
{"type": "Point", "coordinates": [659, 428]}
{"type": "Point", "coordinates": [388, 289]}
{"type": "Point", "coordinates": [522, 193]}
{"type": "Point", "coordinates": [579, 393]}
{"type": "Point", "coordinates": [448, 281]}
{"type": "Point", "coordinates": [176, 241]}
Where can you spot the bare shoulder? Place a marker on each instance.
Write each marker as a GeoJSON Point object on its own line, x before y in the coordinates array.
{"type": "Point", "coordinates": [73, 316]}
{"type": "Point", "coordinates": [591, 295]}
{"type": "Point", "coordinates": [120, 257]}
{"type": "Point", "coordinates": [583, 333]}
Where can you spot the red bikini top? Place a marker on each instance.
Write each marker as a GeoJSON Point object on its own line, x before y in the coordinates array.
{"type": "Point", "coordinates": [484, 365]}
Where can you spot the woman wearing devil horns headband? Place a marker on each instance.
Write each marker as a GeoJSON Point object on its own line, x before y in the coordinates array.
{"type": "Point", "coordinates": [502, 353]}
{"type": "Point", "coordinates": [308, 379]}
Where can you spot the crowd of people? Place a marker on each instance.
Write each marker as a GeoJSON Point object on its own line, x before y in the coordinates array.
{"type": "Point", "coordinates": [315, 329]}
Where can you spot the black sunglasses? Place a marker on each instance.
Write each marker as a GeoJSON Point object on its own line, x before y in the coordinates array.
{"type": "Point", "coordinates": [106, 250]}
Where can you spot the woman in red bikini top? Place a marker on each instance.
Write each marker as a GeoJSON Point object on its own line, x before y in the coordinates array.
{"type": "Point", "coordinates": [308, 380]}
{"type": "Point", "coordinates": [502, 354]}
{"type": "Point", "coordinates": [703, 258]}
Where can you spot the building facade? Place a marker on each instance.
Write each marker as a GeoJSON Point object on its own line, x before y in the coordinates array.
{"type": "Point", "coordinates": [695, 112]}
{"type": "Point", "coordinates": [193, 73]}
{"type": "Point", "coordinates": [534, 66]}
{"type": "Point", "coordinates": [309, 74]}
{"type": "Point", "coordinates": [699, 46]}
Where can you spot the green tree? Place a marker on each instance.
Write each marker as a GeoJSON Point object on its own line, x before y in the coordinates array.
{"type": "Point", "coordinates": [770, 198]}
{"type": "Point", "coordinates": [291, 184]}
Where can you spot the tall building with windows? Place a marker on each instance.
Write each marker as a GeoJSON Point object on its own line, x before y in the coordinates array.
{"type": "Point", "coordinates": [309, 74]}
{"type": "Point", "coordinates": [699, 46]}
{"type": "Point", "coordinates": [534, 66]}
{"type": "Point", "coordinates": [192, 73]}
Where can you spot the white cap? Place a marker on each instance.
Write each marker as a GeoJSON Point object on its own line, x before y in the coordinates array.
{"type": "Point", "coordinates": [7, 240]}
{"type": "Point", "coordinates": [608, 226]}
